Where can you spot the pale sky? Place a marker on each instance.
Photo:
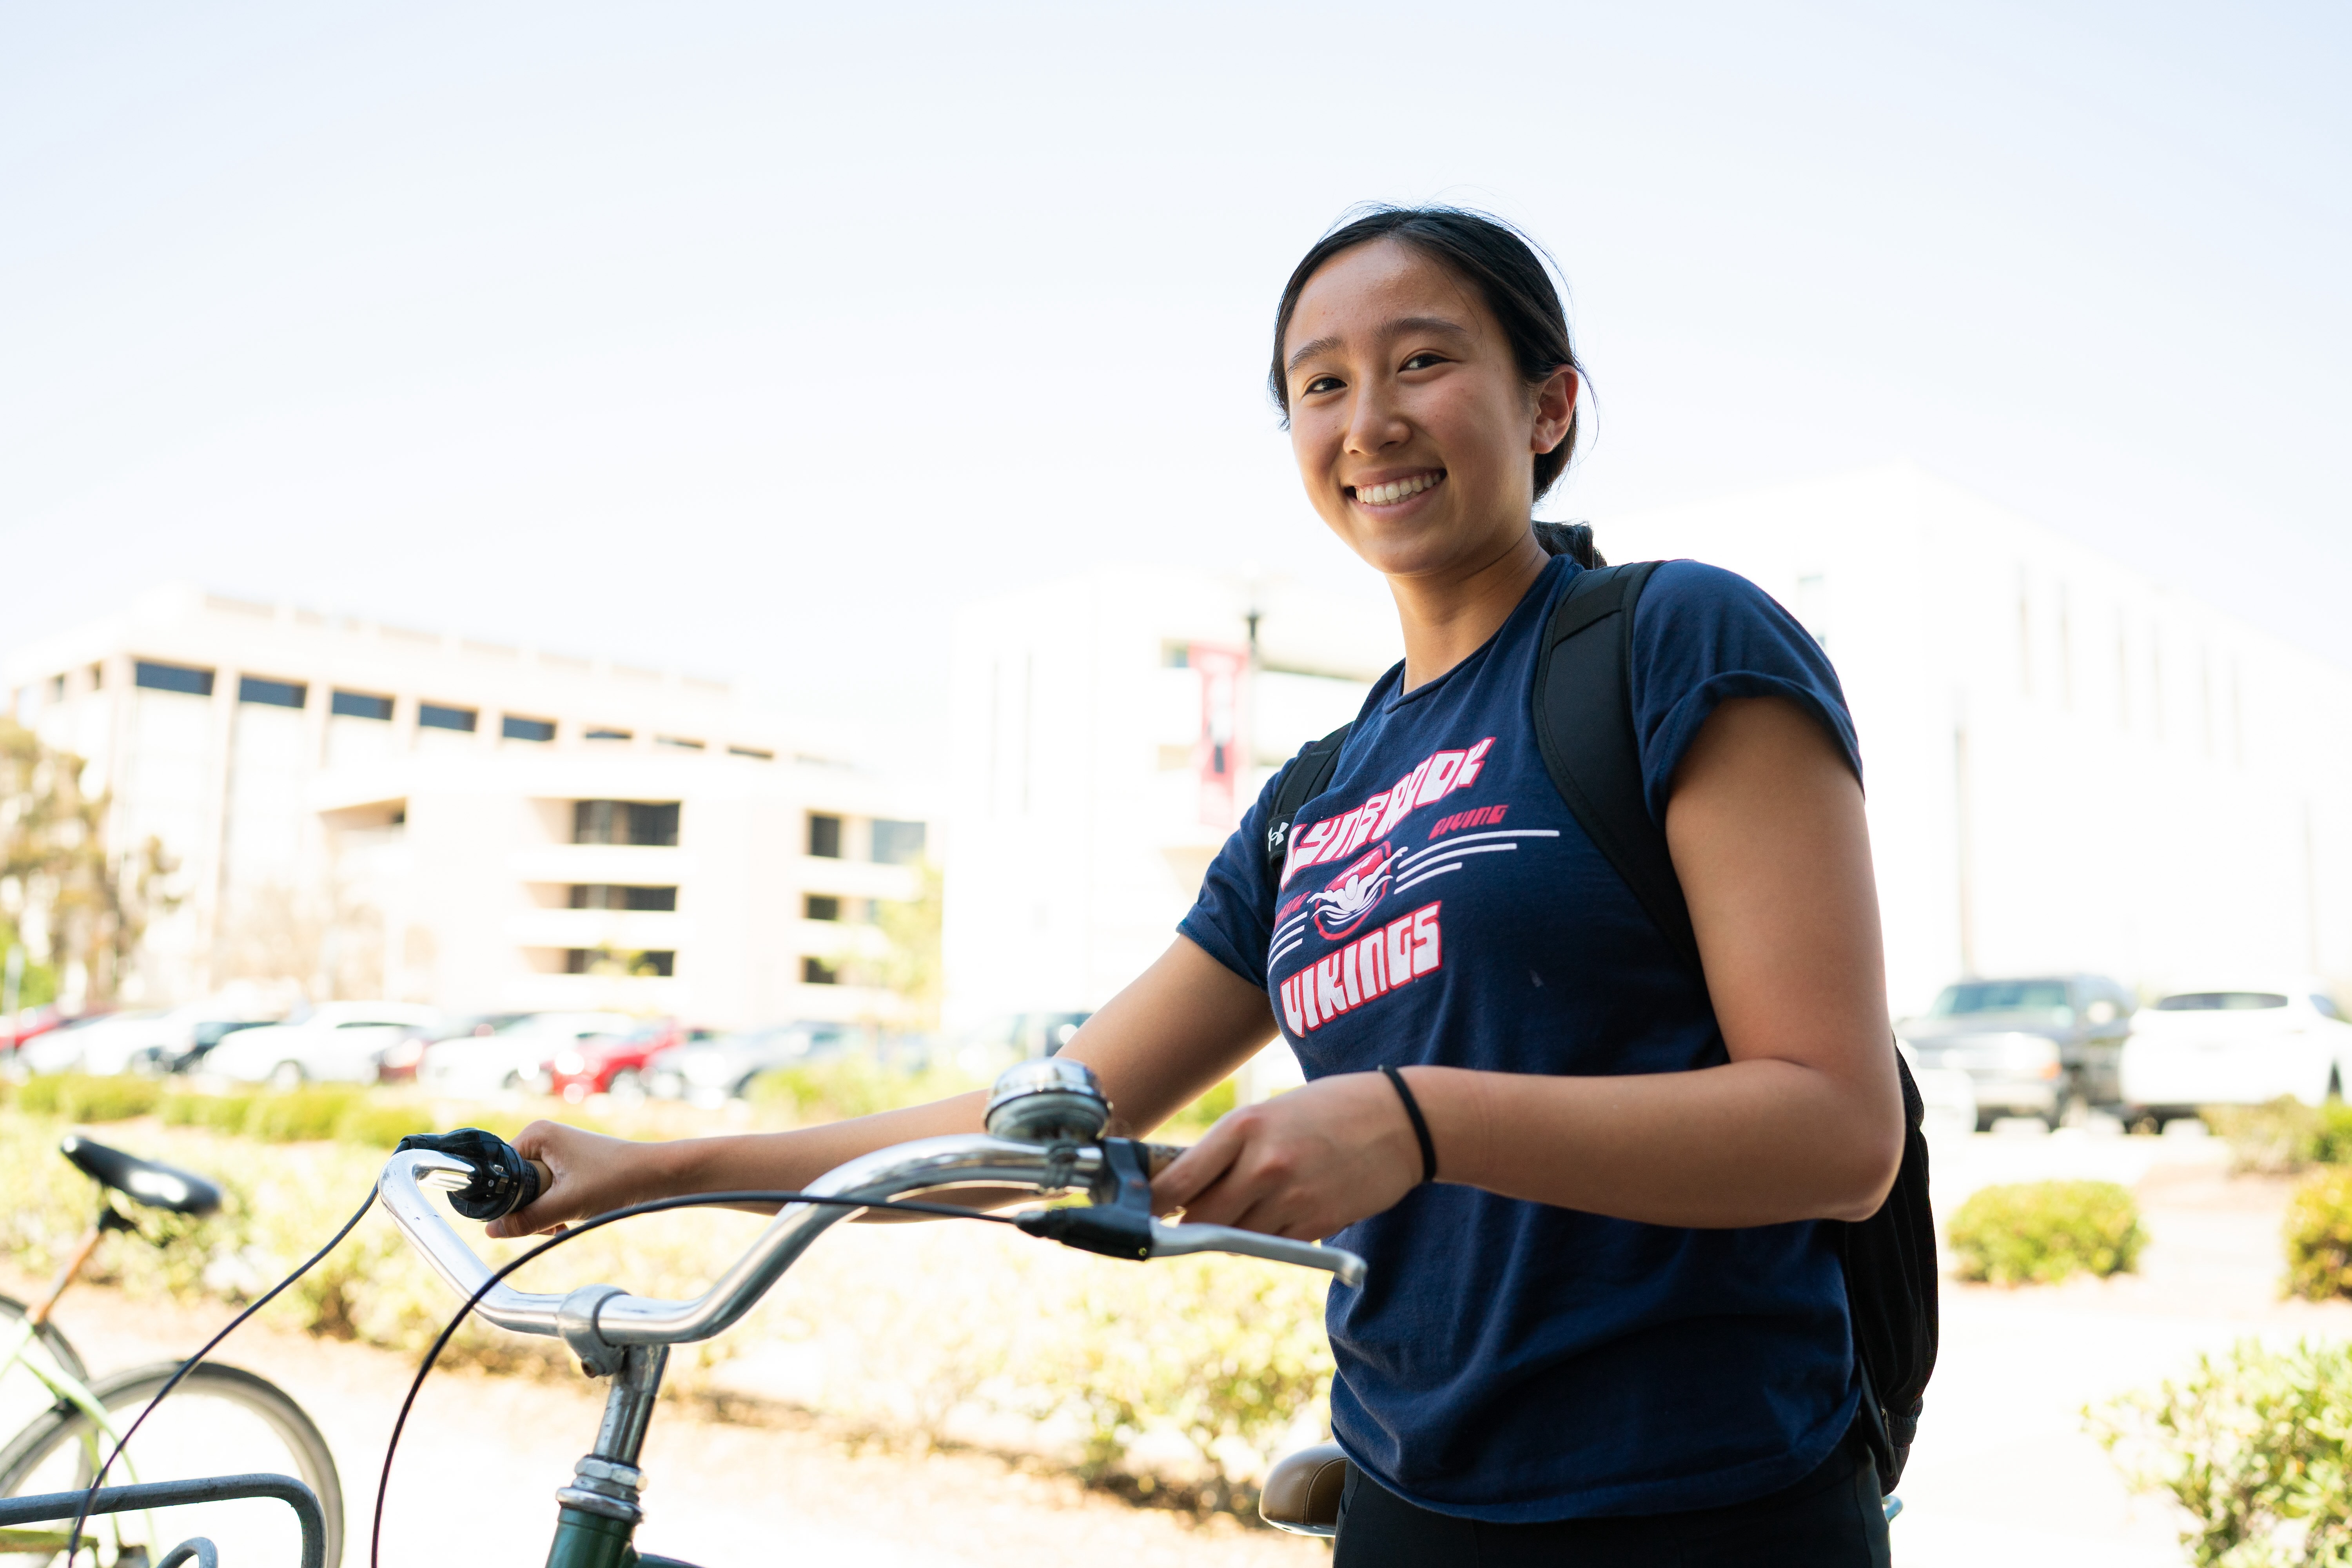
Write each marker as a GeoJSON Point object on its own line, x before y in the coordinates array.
{"type": "Point", "coordinates": [754, 338]}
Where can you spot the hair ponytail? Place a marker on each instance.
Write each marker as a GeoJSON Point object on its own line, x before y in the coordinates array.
{"type": "Point", "coordinates": [1573, 539]}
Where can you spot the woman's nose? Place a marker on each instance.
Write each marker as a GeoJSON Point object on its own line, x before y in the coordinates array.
{"type": "Point", "coordinates": [1373, 424]}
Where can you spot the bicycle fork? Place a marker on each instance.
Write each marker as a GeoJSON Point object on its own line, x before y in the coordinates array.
{"type": "Point", "coordinates": [600, 1512]}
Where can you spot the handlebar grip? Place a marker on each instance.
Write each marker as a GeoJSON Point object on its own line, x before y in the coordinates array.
{"type": "Point", "coordinates": [502, 1182]}
{"type": "Point", "coordinates": [1160, 1156]}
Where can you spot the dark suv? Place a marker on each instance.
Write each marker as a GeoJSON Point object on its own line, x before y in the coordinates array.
{"type": "Point", "coordinates": [2049, 1047]}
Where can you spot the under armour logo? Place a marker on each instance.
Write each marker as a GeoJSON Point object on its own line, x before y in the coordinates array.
{"type": "Point", "coordinates": [1275, 835]}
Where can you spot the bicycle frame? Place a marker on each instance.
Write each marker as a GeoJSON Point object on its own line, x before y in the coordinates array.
{"type": "Point", "coordinates": [62, 1384]}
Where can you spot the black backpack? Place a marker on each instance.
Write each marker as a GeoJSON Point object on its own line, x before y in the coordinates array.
{"type": "Point", "coordinates": [1584, 724]}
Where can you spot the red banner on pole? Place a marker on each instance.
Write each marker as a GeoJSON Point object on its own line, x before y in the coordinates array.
{"type": "Point", "coordinates": [1221, 754]}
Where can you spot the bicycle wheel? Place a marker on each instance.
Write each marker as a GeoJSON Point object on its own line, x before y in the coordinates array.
{"type": "Point", "coordinates": [221, 1420]}
{"type": "Point", "coordinates": [23, 1395]}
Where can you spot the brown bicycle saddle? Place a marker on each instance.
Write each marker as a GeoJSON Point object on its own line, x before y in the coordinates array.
{"type": "Point", "coordinates": [141, 1180]}
{"type": "Point", "coordinates": [1302, 1491]}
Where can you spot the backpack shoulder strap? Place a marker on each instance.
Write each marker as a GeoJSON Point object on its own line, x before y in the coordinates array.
{"type": "Point", "coordinates": [1303, 779]}
{"type": "Point", "coordinates": [1584, 725]}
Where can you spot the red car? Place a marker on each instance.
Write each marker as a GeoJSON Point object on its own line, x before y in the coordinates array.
{"type": "Point", "coordinates": [614, 1064]}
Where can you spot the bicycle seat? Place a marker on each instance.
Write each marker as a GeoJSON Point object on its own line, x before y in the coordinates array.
{"type": "Point", "coordinates": [141, 1180]}
{"type": "Point", "coordinates": [1301, 1493]}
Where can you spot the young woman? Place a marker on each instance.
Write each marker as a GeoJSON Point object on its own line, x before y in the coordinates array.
{"type": "Point", "coordinates": [1611, 1330]}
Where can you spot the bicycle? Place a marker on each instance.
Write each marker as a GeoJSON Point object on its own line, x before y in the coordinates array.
{"type": "Point", "coordinates": [1044, 1139]}
{"type": "Point", "coordinates": [216, 1411]}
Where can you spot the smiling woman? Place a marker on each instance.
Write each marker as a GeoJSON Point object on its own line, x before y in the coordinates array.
{"type": "Point", "coordinates": [1590, 1159]}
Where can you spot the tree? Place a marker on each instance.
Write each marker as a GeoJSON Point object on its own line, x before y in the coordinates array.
{"type": "Point", "coordinates": [911, 970]}
{"type": "Point", "coordinates": [94, 904]}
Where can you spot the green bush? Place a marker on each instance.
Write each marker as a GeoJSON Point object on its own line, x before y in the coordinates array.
{"type": "Point", "coordinates": [221, 1113]}
{"type": "Point", "coordinates": [82, 1097]}
{"type": "Point", "coordinates": [300, 1115]}
{"type": "Point", "coordinates": [1202, 1114]}
{"type": "Point", "coordinates": [2284, 1135]}
{"type": "Point", "coordinates": [382, 1125]}
{"type": "Point", "coordinates": [839, 1088]}
{"type": "Point", "coordinates": [2257, 1445]}
{"type": "Point", "coordinates": [2319, 1237]}
{"type": "Point", "coordinates": [2043, 1232]}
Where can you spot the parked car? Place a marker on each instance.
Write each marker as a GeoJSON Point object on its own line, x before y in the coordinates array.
{"type": "Point", "coordinates": [1009, 1038]}
{"type": "Point", "coordinates": [1948, 1094]}
{"type": "Point", "coordinates": [616, 1063]}
{"type": "Point", "coordinates": [516, 1056]}
{"type": "Point", "coordinates": [31, 1022]}
{"type": "Point", "coordinates": [2235, 1044]}
{"type": "Point", "coordinates": [709, 1072]}
{"type": "Point", "coordinates": [66, 1049]}
{"type": "Point", "coordinates": [2049, 1046]}
{"type": "Point", "coordinates": [338, 1042]}
{"type": "Point", "coordinates": [156, 1040]}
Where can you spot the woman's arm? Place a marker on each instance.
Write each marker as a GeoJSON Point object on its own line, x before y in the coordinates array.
{"type": "Point", "coordinates": [1184, 1024]}
{"type": "Point", "coordinates": [1767, 836]}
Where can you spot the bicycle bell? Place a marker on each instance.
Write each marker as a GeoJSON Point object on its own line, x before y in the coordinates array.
{"type": "Point", "coordinates": [1052, 1100]}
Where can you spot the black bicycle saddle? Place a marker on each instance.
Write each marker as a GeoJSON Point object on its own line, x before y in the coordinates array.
{"type": "Point", "coordinates": [141, 1180]}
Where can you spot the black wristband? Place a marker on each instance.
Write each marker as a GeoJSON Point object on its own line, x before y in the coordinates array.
{"type": "Point", "coordinates": [1420, 1125]}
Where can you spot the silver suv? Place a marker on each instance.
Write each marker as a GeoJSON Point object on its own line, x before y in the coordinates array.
{"type": "Point", "coordinates": [2050, 1046]}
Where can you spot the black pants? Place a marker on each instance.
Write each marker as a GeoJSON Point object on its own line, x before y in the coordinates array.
{"type": "Point", "coordinates": [1832, 1518]}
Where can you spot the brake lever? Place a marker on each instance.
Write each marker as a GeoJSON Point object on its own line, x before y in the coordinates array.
{"type": "Point", "coordinates": [1119, 1224]}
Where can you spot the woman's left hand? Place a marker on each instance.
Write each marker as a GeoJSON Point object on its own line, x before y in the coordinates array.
{"type": "Point", "coordinates": [1302, 1164]}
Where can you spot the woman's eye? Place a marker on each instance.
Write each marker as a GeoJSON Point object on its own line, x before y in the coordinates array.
{"type": "Point", "coordinates": [1321, 384]}
{"type": "Point", "coordinates": [1424, 360]}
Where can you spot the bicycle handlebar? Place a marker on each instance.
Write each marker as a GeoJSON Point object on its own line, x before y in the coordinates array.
{"type": "Point", "coordinates": [598, 1320]}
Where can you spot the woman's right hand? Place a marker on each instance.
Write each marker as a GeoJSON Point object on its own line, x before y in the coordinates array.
{"type": "Point", "coordinates": [590, 1174]}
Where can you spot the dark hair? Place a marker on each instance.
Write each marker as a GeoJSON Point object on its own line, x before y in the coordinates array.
{"type": "Point", "coordinates": [1493, 258]}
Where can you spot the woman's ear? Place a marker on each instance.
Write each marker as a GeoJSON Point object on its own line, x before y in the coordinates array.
{"type": "Point", "coordinates": [1555, 409]}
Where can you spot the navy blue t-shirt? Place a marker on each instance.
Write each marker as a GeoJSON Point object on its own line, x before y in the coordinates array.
{"type": "Point", "coordinates": [1508, 1360]}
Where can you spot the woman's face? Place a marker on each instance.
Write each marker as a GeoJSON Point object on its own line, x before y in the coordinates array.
{"type": "Point", "coordinates": [1414, 431]}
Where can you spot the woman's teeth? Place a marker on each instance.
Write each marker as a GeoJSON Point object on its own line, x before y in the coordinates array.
{"type": "Point", "coordinates": [1388, 494]}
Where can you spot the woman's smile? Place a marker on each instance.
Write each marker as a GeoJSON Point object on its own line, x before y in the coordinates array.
{"type": "Point", "coordinates": [1387, 496]}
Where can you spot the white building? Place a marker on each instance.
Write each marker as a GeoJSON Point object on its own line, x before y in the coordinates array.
{"type": "Point", "coordinates": [1108, 730]}
{"type": "Point", "coordinates": [2068, 766]}
{"type": "Point", "coordinates": [371, 810]}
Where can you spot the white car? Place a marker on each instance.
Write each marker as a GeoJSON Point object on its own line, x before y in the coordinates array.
{"type": "Point", "coordinates": [514, 1057]}
{"type": "Point", "coordinates": [96, 1045]}
{"type": "Point", "coordinates": [2235, 1044]}
{"type": "Point", "coordinates": [339, 1042]}
{"type": "Point", "coordinates": [146, 1039]}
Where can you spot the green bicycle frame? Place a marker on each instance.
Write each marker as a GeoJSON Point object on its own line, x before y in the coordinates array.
{"type": "Point", "coordinates": [67, 1389]}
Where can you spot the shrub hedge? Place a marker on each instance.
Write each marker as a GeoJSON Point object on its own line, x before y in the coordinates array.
{"type": "Point", "coordinates": [2284, 1135]}
{"type": "Point", "coordinates": [2043, 1232]}
{"type": "Point", "coordinates": [2319, 1237]}
{"type": "Point", "coordinates": [82, 1097]}
{"type": "Point", "coordinates": [2256, 1446]}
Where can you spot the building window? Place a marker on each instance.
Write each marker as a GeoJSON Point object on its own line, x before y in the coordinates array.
{"type": "Point", "coordinates": [514, 729]}
{"type": "Point", "coordinates": [359, 705]}
{"type": "Point", "coordinates": [641, 822]}
{"type": "Point", "coordinates": [98, 677]}
{"type": "Point", "coordinates": [433, 716]}
{"type": "Point", "coordinates": [752, 751]}
{"type": "Point", "coordinates": [613, 895]}
{"type": "Point", "coordinates": [898, 843]}
{"type": "Point", "coordinates": [824, 837]}
{"type": "Point", "coordinates": [821, 907]}
{"type": "Point", "coordinates": [604, 961]}
{"type": "Point", "coordinates": [172, 678]}
{"type": "Point", "coordinates": [679, 742]}
{"type": "Point", "coordinates": [605, 732]}
{"type": "Point", "coordinates": [57, 689]}
{"type": "Point", "coordinates": [817, 972]}
{"type": "Point", "coordinates": [271, 693]}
